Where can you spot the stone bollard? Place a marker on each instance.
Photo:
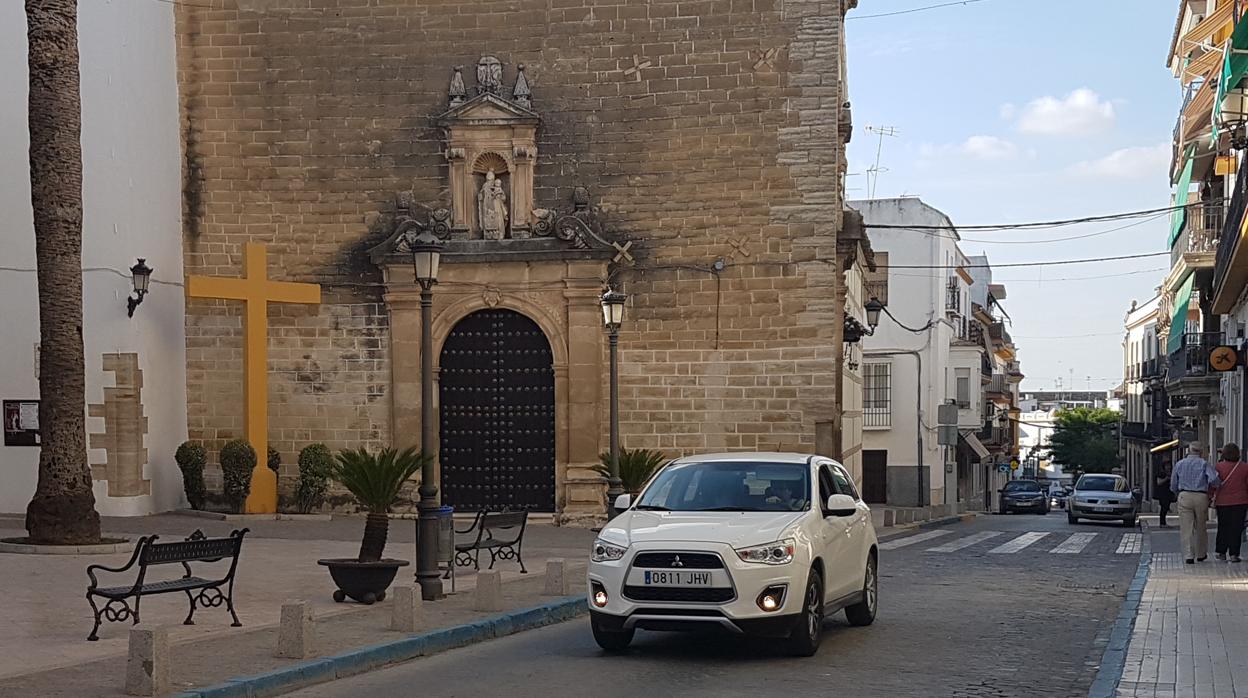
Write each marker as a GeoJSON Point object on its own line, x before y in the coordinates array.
{"type": "Point", "coordinates": [489, 591]}
{"type": "Point", "coordinates": [296, 637]}
{"type": "Point", "coordinates": [556, 577]}
{"type": "Point", "coordinates": [406, 608]}
{"type": "Point", "coordinates": [147, 668]}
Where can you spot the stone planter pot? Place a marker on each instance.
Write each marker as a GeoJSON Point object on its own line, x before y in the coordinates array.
{"type": "Point", "coordinates": [365, 582]}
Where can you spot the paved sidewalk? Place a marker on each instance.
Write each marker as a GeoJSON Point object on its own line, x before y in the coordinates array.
{"type": "Point", "coordinates": [44, 650]}
{"type": "Point", "coordinates": [1190, 638]}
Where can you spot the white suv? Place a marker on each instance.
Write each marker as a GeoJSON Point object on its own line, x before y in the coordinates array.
{"type": "Point", "coordinates": [756, 543]}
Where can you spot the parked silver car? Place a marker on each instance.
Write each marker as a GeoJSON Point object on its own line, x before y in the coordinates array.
{"type": "Point", "coordinates": [1102, 497]}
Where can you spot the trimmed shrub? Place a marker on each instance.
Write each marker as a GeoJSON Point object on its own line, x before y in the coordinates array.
{"type": "Point", "coordinates": [238, 459]}
{"type": "Point", "coordinates": [191, 458]}
{"type": "Point", "coordinates": [315, 465]}
{"type": "Point", "coordinates": [275, 461]}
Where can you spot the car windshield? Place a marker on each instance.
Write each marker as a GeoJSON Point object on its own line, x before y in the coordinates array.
{"type": "Point", "coordinates": [729, 486]}
{"type": "Point", "coordinates": [1019, 486]}
{"type": "Point", "coordinates": [1102, 484]}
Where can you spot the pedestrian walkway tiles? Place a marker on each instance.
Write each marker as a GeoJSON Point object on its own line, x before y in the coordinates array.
{"type": "Point", "coordinates": [1075, 543]}
{"type": "Point", "coordinates": [964, 542]}
{"type": "Point", "coordinates": [1019, 543]}
{"type": "Point", "coordinates": [911, 540]}
{"type": "Point", "coordinates": [1131, 543]}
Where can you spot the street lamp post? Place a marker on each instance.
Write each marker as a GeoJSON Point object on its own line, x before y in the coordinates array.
{"type": "Point", "coordinates": [613, 317]}
{"type": "Point", "coordinates": [426, 254]}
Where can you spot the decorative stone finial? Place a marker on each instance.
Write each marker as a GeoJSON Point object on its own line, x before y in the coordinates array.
{"type": "Point", "coordinates": [521, 94]}
{"type": "Point", "coordinates": [458, 92]}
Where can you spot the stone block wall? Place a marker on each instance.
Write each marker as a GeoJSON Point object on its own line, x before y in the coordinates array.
{"type": "Point", "coordinates": [704, 130]}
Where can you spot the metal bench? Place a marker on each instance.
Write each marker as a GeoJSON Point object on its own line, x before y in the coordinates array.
{"type": "Point", "coordinates": [500, 533]}
{"type": "Point", "coordinates": [148, 553]}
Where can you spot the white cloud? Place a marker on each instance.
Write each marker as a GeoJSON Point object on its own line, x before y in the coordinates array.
{"type": "Point", "coordinates": [1127, 163]}
{"type": "Point", "coordinates": [977, 147]}
{"type": "Point", "coordinates": [989, 148]}
{"type": "Point", "coordinates": [1079, 113]}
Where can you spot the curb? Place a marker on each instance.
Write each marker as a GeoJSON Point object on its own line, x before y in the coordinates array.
{"type": "Point", "coordinates": [221, 516]}
{"type": "Point", "coordinates": [894, 531]}
{"type": "Point", "coordinates": [1114, 661]}
{"type": "Point", "coordinates": [103, 549]}
{"type": "Point", "coordinates": [372, 657]}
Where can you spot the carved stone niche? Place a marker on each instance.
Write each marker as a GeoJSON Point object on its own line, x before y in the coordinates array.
{"type": "Point", "coordinates": [490, 133]}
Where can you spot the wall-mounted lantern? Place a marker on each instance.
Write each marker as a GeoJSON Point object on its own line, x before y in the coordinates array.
{"type": "Point", "coordinates": [140, 277]}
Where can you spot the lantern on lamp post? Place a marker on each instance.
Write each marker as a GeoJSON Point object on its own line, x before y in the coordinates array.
{"type": "Point", "coordinates": [612, 318]}
{"type": "Point", "coordinates": [426, 255]}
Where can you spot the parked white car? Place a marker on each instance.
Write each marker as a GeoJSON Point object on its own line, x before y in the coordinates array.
{"type": "Point", "coordinates": [762, 544]}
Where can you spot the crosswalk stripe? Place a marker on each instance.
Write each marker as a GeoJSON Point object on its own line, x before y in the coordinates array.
{"type": "Point", "coordinates": [1076, 543]}
{"type": "Point", "coordinates": [1019, 543]}
{"type": "Point", "coordinates": [1131, 543]}
{"type": "Point", "coordinates": [911, 540]}
{"type": "Point", "coordinates": [964, 542]}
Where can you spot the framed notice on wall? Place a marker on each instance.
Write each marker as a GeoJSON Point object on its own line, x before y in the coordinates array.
{"type": "Point", "coordinates": [21, 422]}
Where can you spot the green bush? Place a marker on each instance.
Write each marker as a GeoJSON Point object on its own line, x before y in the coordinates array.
{"type": "Point", "coordinates": [636, 467]}
{"type": "Point", "coordinates": [315, 464]}
{"type": "Point", "coordinates": [238, 459]}
{"type": "Point", "coordinates": [191, 458]}
{"type": "Point", "coordinates": [275, 461]}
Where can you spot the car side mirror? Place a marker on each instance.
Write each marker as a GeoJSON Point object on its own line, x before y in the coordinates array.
{"type": "Point", "coordinates": [841, 505]}
{"type": "Point", "coordinates": [623, 501]}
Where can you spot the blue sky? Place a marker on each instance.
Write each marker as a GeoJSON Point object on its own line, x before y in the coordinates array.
{"type": "Point", "coordinates": [1012, 111]}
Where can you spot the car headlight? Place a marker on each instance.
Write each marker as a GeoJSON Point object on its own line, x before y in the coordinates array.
{"type": "Point", "coordinates": [778, 553]}
{"type": "Point", "coordinates": [606, 552]}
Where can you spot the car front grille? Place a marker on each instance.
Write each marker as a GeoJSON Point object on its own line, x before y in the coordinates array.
{"type": "Point", "coordinates": [688, 561]}
{"type": "Point", "coordinates": [697, 595]}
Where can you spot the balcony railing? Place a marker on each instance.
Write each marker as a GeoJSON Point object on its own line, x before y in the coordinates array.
{"type": "Point", "coordinates": [1192, 359]}
{"type": "Point", "coordinates": [1136, 430]}
{"type": "Point", "coordinates": [1202, 232]}
{"type": "Point", "coordinates": [998, 385]}
{"type": "Point", "coordinates": [985, 366]}
{"type": "Point", "coordinates": [1230, 229]}
{"type": "Point", "coordinates": [998, 332]}
{"type": "Point", "coordinates": [953, 296]}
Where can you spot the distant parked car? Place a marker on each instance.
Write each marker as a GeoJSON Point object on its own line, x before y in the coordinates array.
{"type": "Point", "coordinates": [1024, 495]}
{"type": "Point", "coordinates": [1103, 498]}
{"type": "Point", "coordinates": [1057, 499]}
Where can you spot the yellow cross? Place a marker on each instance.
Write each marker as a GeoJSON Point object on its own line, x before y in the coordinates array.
{"type": "Point", "coordinates": [257, 291]}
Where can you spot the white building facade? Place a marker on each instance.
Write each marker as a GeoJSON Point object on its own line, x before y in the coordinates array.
{"type": "Point", "coordinates": [135, 366]}
{"type": "Point", "coordinates": [926, 353]}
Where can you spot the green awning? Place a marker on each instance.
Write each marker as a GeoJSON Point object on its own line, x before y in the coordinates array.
{"type": "Point", "coordinates": [1234, 67]}
{"type": "Point", "coordinates": [1178, 218]}
{"type": "Point", "coordinates": [1178, 324]}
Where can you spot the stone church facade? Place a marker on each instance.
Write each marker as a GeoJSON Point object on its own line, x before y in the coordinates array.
{"type": "Point", "coordinates": [690, 154]}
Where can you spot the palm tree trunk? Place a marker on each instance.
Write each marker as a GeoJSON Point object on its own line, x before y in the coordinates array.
{"type": "Point", "coordinates": [376, 530]}
{"type": "Point", "coordinates": [63, 508]}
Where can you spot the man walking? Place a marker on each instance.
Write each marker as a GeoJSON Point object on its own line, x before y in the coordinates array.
{"type": "Point", "coordinates": [1191, 479]}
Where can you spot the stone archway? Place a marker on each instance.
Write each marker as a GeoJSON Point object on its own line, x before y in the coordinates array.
{"type": "Point", "coordinates": [497, 413]}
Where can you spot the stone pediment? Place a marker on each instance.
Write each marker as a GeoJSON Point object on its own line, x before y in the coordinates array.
{"type": "Point", "coordinates": [487, 109]}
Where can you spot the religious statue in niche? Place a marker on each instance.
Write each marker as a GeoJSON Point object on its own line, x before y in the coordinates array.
{"type": "Point", "coordinates": [492, 208]}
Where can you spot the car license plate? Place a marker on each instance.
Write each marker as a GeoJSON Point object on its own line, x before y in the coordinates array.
{"type": "Point", "coordinates": [1103, 509]}
{"type": "Point", "coordinates": [664, 578]}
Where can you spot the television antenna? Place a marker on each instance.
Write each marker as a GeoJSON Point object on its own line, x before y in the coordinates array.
{"type": "Point", "coordinates": [873, 173]}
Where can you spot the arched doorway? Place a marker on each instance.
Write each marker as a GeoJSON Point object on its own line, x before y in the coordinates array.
{"type": "Point", "coordinates": [497, 400]}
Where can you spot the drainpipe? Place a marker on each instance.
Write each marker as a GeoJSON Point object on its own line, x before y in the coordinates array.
{"type": "Point", "coordinates": [920, 495]}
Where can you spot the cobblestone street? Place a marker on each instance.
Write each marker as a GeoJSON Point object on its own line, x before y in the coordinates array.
{"type": "Point", "coordinates": [979, 619]}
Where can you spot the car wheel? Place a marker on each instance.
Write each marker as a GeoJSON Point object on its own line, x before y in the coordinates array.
{"type": "Point", "coordinates": [863, 613]}
{"type": "Point", "coordinates": [611, 640]}
{"type": "Point", "coordinates": [1129, 521]}
{"type": "Point", "coordinates": [1071, 518]}
{"type": "Point", "coordinates": [805, 638]}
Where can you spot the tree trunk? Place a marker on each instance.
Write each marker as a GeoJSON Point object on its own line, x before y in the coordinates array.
{"type": "Point", "coordinates": [376, 529]}
{"type": "Point", "coordinates": [63, 508]}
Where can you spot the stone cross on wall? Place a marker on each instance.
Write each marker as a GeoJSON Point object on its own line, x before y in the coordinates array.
{"type": "Point", "coordinates": [124, 428]}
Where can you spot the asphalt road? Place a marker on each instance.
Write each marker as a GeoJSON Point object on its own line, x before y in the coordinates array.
{"type": "Point", "coordinates": [958, 621]}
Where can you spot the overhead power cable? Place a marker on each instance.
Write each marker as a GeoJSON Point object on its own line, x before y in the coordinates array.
{"type": "Point", "coordinates": [914, 9]}
{"type": "Point", "coordinates": [1048, 224]}
{"type": "Point", "coordinates": [918, 330]}
{"type": "Point", "coordinates": [1088, 260]}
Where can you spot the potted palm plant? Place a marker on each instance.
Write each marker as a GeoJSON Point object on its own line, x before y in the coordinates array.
{"type": "Point", "coordinates": [375, 480]}
{"type": "Point", "coordinates": [636, 467]}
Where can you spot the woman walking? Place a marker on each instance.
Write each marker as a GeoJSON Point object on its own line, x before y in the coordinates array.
{"type": "Point", "coordinates": [1231, 501]}
{"type": "Point", "coordinates": [1162, 493]}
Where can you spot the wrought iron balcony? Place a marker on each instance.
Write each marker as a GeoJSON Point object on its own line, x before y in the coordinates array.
{"type": "Point", "coordinates": [1187, 369]}
{"type": "Point", "coordinates": [998, 332]}
{"type": "Point", "coordinates": [953, 296]}
{"type": "Point", "coordinates": [1230, 237]}
{"type": "Point", "coordinates": [1200, 236]}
